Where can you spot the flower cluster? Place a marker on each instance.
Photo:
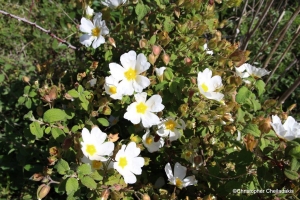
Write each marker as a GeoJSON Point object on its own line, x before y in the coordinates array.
{"type": "Point", "coordinates": [246, 70]}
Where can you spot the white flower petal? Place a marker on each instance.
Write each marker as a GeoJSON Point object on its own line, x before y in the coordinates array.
{"type": "Point", "coordinates": [86, 40]}
{"type": "Point", "coordinates": [149, 119]}
{"type": "Point", "coordinates": [117, 71]}
{"type": "Point", "coordinates": [140, 83]}
{"type": "Point", "coordinates": [168, 171]}
{"type": "Point", "coordinates": [141, 63]}
{"type": "Point", "coordinates": [100, 40]}
{"type": "Point", "coordinates": [128, 60]}
{"type": "Point", "coordinates": [154, 103]}
{"type": "Point", "coordinates": [179, 171]}
{"type": "Point", "coordinates": [86, 25]}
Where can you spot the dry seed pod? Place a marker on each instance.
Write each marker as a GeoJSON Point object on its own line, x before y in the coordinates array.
{"type": "Point", "coordinates": [42, 191]}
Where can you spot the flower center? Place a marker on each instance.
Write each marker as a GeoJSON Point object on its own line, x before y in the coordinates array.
{"type": "Point", "coordinates": [149, 140]}
{"type": "Point", "coordinates": [113, 89]}
{"type": "Point", "coordinates": [130, 74]}
{"type": "Point", "coordinates": [178, 183]}
{"type": "Point", "coordinates": [96, 164]}
{"type": "Point", "coordinates": [96, 31]}
{"type": "Point", "coordinates": [170, 125]}
{"type": "Point", "coordinates": [188, 154]}
{"type": "Point", "coordinates": [123, 162]}
{"type": "Point", "coordinates": [90, 149]}
{"type": "Point", "coordinates": [141, 108]}
{"type": "Point", "coordinates": [204, 87]}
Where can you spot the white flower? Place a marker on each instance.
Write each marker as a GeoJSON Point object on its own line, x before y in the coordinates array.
{"type": "Point", "coordinates": [89, 11]}
{"type": "Point", "coordinates": [93, 145]}
{"type": "Point", "coordinates": [150, 143]}
{"type": "Point", "coordinates": [113, 3]}
{"type": "Point", "coordinates": [128, 73]}
{"type": "Point", "coordinates": [94, 31]}
{"type": "Point", "coordinates": [128, 163]}
{"type": "Point", "coordinates": [96, 164]}
{"type": "Point", "coordinates": [170, 127]}
{"type": "Point", "coordinates": [112, 88]}
{"type": "Point", "coordinates": [208, 85]}
{"type": "Point", "coordinates": [142, 110]}
{"type": "Point", "coordinates": [207, 50]}
{"type": "Point", "coordinates": [240, 71]}
{"type": "Point", "coordinates": [178, 177]}
{"type": "Point", "coordinates": [289, 130]}
{"type": "Point", "coordinates": [255, 72]}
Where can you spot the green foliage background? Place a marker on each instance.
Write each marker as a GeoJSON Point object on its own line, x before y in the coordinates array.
{"type": "Point", "coordinates": [26, 51]}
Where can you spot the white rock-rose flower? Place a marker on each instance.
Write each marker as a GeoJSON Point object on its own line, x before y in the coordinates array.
{"type": "Point", "coordinates": [178, 178]}
{"type": "Point", "coordinates": [94, 31]}
{"type": "Point", "coordinates": [128, 162]}
{"type": "Point", "coordinates": [94, 146]}
{"type": "Point", "coordinates": [208, 85]}
{"type": "Point", "coordinates": [129, 73]}
{"type": "Point", "coordinates": [143, 110]}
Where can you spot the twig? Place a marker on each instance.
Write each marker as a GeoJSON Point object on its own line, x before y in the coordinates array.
{"type": "Point", "coordinates": [283, 74]}
{"type": "Point", "coordinates": [240, 21]}
{"type": "Point", "coordinates": [270, 34]}
{"type": "Point", "coordinates": [285, 29]}
{"type": "Point", "coordinates": [289, 91]}
{"type": "Point", "coordinates": [38, 27]}
{"type": "Point", "coordinates": [283, 54]}
{"type": "Point", "coordinates": [249, 35]}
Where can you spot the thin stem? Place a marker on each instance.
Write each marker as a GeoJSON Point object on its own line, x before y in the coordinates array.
{"type": "Point", "coordinates": [38, 27]}
{"type": "Point", "coordinates": [283, 55]}
{"type": "Point", "coordinates": [240, 21]}
{"type": "Point", "coordinates": [283, 74]}
{"type": "Point", "coordinates": [285, 29]}
{"type": "Point", "coordinates": [270, 34]}
{"type": "Point", "coordinates": [249, 35]}
{"type": "Point", "coordinates": [289, 91]}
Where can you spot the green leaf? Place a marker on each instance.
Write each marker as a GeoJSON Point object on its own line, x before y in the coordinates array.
{"type": "Point", "coordinates": [2, 78]}
{"type": "Point", "coordinates": [35, 129]}
{"type": "Point", "coordinates": [28, 103]}
{"type": "Point", "coordinates": [295, 152]}
{"type": "Point", "coordinates": [240, 115]}
{"type": "Point", "coordinates": [168, 74]}
{"type": "Point", "coordinates": [108, 55]}
{"type": "Point", "coordinates": [141, 10]}
{"type": "Point", "coordinates": [74, 128]}
{"type": "Point", "coordinates": [72, 186]}
{"type": "Point", "coordinates": [160, 86]}
{"type": "Point", "coordinates": [84, 169]}
{"type": "Point", "coordinates": [73, 93]}
{"type": "Point", "coordinates": [56, 132]}
{"type": "Point", "coordinates": [252, 129]}
{"type": "Point", "coordinates": [89, 182]}
{"type": "Point", "coordinates": [54, 115]}
{"type": "Point", "coordinates": [293, 175]}
{"type": "Point", "coordinates": [21, 100]}
{"type": "Point", "coordinates": [295, 164]}
{"type": "Point", "coordinates": [152, 40]}
{"type": "Point", "coordinates": [103, 121]}
{"type": "Point", "coordinates": [47, 130]}
{"type": "Point", "coordinates": [96, 176]}
{"type": "Point", "coordinates": [260, 86]}
{"type": "Point", "coordinates": [243, 94]}
{"type": "Point", "coordinates": [62, 166]}
{"type": "Point", "coordinates": [26, 89]}
{"type": "Point", "coordinates": [168, 24]}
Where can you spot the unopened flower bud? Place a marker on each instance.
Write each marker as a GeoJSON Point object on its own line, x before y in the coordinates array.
{"type": "Point", "coordinates": [188, 61]}
{"type": "Point", "coordinates": [146, 197]}
{"type": "Point", "coordinates": [36, 177]}
{"type": "Point", "coordinates": [177, 12]}
{"type": "Point", "coordinates": [143, 43]}
{"type": "Point", "coordinates": [69, 97]}
{"type": "Point", "coordinates": [166, 58]}
{"type": "Point", "coordinates": [42, 191]}
{"type": "Point", "coordinates": [193, 80]}
{"type": "Point", "coordinates": [265, 125]}
{"type": "Point", "coordinates": [26, 79]}
{"type": "Point", "coordinates": [152, 59]}
{"type": "Point", "coordinates": [156, 50]}
{"type": "Point", "coordinates": [105, 194]}
{"type": "Point", "coordinates": [112, 41]}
